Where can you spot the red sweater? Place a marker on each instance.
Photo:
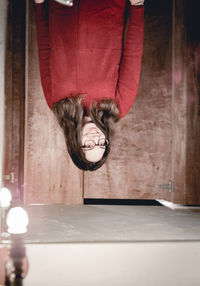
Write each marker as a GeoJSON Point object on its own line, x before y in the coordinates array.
{"type": "Point", "coordinates": [80, 51]}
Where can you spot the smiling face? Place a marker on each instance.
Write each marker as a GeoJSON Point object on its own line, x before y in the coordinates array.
{"type": "Point", "coordinates": [93, 141]}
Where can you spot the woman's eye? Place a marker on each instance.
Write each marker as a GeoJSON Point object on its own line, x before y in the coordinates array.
{"type": "Point", "coordinates": [102, 143]}
{"type": "Point", "coordinates": [88, 146]}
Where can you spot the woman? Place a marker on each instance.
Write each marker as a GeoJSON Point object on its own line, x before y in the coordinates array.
{"type": "Point", "coordinates": [90, 68]}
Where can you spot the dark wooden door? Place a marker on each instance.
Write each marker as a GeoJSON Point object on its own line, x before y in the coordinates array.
{"type": "Point", "coordinates": [141, 155]}
{"type": "Point", "coordinates": [155, 145]}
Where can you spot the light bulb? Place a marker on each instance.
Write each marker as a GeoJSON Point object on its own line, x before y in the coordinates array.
{"type": "Point", "coordinates": [69, 3]}
{"type": "Point", "coordinates": [5, 197]}
{"type": "Point", "coordinates": [17, 220]}
{"type": "Point", "coordinates": [65, 2]}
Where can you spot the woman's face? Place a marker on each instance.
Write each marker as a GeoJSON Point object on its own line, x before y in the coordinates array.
{"type": "Point", "coordinates": [93, 141]}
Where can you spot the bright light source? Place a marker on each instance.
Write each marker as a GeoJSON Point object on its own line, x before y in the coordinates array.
{"type": "Point", "coordinates": [5, 197]}
{"type": "Point", "coordinates": [65, 2]}
{"type": "Point", "coordinates": [17, 220]}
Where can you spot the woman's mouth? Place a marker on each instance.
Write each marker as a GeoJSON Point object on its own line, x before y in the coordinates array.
{"type": "Point", "coordinates": [93, 130]}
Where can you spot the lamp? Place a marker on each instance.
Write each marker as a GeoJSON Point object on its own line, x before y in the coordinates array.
{"type": "Point", "coordinates": [5, 197]}
{"type": "Point", "coordinates": [5, 200]}
{"type": "Point", "coordinates": [65, 2]}
{"type": "Point", "coordinates": [17, 221]}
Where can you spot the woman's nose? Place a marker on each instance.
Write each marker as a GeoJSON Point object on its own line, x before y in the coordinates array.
{"type": "Point", "coordinates": [96, 136]}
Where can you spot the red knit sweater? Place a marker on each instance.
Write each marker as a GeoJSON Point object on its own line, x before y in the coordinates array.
{"type": "Point", "coordinates": [80, 51]}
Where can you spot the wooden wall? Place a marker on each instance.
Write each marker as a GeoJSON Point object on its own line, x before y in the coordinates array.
{"type": "Point", "coordinates": [158, 141]}
{"type": "Point", "coordinates": [192, 28]}
{"type": "Point", "coordinates": [50, 176]}
{"type": "Point", "coordinates": [185, 106]}
{"type": "Point", "coordinates": [15, 99]}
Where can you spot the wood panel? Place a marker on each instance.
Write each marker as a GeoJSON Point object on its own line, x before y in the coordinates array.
{"type": "Point", "coordinates": [186, 115]}
{"type": "Point", "coordinates": [192, 23]}
{"type": "Point", "coordinates": [14, 98]}
{"type": "Point", "coordinates": [158, 141]}
{"type": "Point", "coordinates": [50, 176]}
{"type": "Point", "coordinates": [140, 159]}
{"type": "Point", "coordinates": [179, 104]}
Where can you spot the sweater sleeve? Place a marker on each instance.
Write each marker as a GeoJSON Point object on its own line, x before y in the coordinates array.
{"type": "Point", "coordinates": [42, 30]}
{"type": "Point", "coordinates": [130, 67]}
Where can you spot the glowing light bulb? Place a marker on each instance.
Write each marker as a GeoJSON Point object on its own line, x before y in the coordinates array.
{"type": "Point", "coordinates": [17, 220]}
{"type": "Point", "coordinates": [69, 3]}
{"type": "Point", "coordinates": [5, 197]}
{"type": "Point", "coordinates": [65, 2]}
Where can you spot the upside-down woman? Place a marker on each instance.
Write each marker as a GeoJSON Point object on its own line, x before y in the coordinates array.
{"type": "Point", "coordinates": [90, 61]}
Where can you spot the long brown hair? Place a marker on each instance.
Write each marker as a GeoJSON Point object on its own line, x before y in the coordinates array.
{"type": "Point", "coordinates": [70, 115]}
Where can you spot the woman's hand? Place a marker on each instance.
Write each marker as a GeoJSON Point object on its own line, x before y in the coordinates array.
{"type": "Point", "coordinates": [4, 257]}
{"type": "Point", "coordinates": [137, 2]}
{"type": "Point", "coordinates": [39, 1]}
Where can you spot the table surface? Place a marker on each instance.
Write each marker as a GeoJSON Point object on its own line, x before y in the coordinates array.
{"type": "Point", "coordinates": [109, 223]}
